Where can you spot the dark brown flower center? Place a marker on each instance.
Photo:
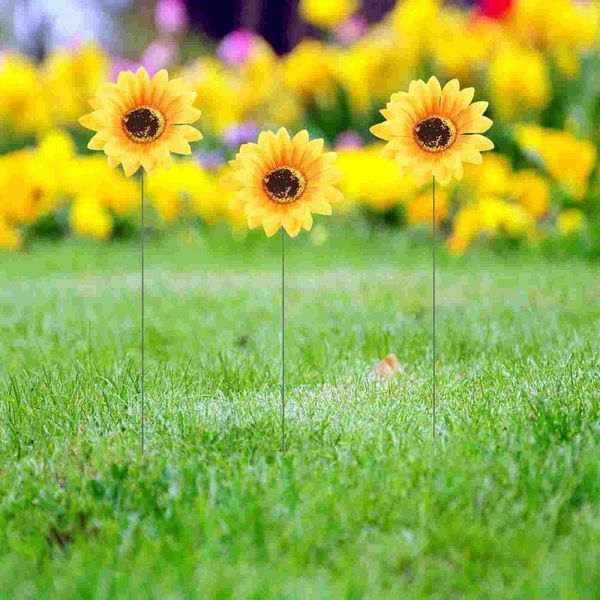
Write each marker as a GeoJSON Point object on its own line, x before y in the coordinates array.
{"type": "Point", "coordinates": [144, 124]}
{"type": "Point", "coordinates": [284, 185]}
{"type": "Point", "coordinates": [435, 134]}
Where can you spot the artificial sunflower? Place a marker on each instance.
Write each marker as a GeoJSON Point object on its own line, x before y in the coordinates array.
{"type": "Point", "coordinates": [280, 182]}
{"type": "Point", "coordinates": [140, 121]}
{"type": "Point", "coordinates": [433, 131]}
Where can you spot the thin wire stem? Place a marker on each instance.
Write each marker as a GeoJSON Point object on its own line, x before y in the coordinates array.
{"type": "Point", "coordinates": [282, 339]}
{"type": "Point", "coordinates": [433, 286]}
{"type": "Point", "coordinates": [142, 234]}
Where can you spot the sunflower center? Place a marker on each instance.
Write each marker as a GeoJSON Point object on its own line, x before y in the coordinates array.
{"type": "Point", "coordinates": [284, 185]}
{"type": "Point", "coordinates": [435, 134]}
{"type": "Point", "coordinates": [144, 124]}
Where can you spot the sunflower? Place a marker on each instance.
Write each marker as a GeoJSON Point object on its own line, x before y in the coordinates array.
{"type": "Point", "coordinates": [434, 131]}
{"type": "Point", "coordinates": [280, 181]}
{"type": "Point", "coordinates": [141, 121]}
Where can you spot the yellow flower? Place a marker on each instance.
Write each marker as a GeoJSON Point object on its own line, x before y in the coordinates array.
{"type": "Point", "coordinates": [139, 121]}
{"type": "Point", "coordinates": [569, 23]}
{"type": "Point", "coordinates": [491, 216]}
{"type": "Point", "coordinates": [24, 106]}
{"type": "Point", "coordinates": [372, 68]}
{"type": "Point", "coordinates": [460, 45]}
{"type": "Point", "coordinates": [73, 76]}
{"type": "Point", "coordinates": [173, 191]}
{"type": "Point", "coordinates": [569, 160]}
{"type": "Point", "coordinates": [570, 221]}
{"type": "Point", "coordinates": [357, 70]}
{"type": "Point", "coordinates": [502, 217]}
{"type": "Point", "coordinates": [493, 177]}
{"type": "Point", "coordinates": [367, 177]}
{"type": "Point", "coordinates": [283, 108]}
{"type": "Point", "coordinates": [89, 218]}
{"type": "Point", "coordinates": [309, 71]}
{"type": "Point", "coordinates": [213, 203]}
{"type": "Point", "coordinates": [10, 237]}
{"type": "Point", "coordinates": [259, 76]}
{"type": "Point", "coordinates": [434, 131]}
{"type": "Point", "coordinates": [519, 80]}
{"type": "Point", "coordinates": [327, 14]}
{"type": "Point", "coordinates": [467, 224]}
{"type": "Point", "coordinates": [413, 21]}
{"type": "Point", "coordinates": [90, 177]}
{"type": "Point", "coordinates": [33, 180]}
{"type": "Point", "coordinates": [419, 210]}
{"type": "Point", "coordinates": [280, 181]}
{"type": "Point", "coordinates": [532, 191]}
{"type": "Point", "coordinates": [217, 91]}
{"type": "Point", "coordinates": [19, 191]}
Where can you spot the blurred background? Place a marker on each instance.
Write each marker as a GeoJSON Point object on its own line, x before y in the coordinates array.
{"type": "Point", "coordinates": [329, 66]}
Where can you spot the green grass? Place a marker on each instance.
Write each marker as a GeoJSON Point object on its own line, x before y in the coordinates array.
{"type": "Point", "coordinates": [504, 504]}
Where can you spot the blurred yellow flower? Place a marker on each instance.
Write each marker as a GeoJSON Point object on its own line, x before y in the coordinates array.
{"type": "Point", "coordinates": [356, 71]}
{"type": "Point", "coordinates": [461, 45]}
{"type": "Point", "coordinates": [493, 177]}
{"type": "Point", "coordinates": [73, 76]}
{"type": "Point", "coordinates": [259, 77]}
{"type": "Point", "coordinates": [10, 236]}
{"type": "Point", "coordinates": [415, 22]}
{"type": "Point", "coordinates": [532, 191]}
{"type": "Point", "coordinates": [419, 210]}
{"type": "Point", "coordinates": [33, 180]}
{"type": "Point", "coordinates": [502, 217]}
{"type": "Point", "coordinates": [90, 176]}
{"type": "Point", "coordinates": [309, 71]}
{"type": "Point", "coordinates": [570, 221]}
{"type": "Point", "coordinates": [519, 80]}
{"type": "Point", "coordinates": [327, 14]}
{"type": "Point", "coordinates": [467, 224]}
{"type": "Point", "coordinates": [24, 104]}
{"type": "Point", "coordinates": [569, 160]}
{"type": "Point", "coordinates": [367, 177]}
{"type": "Point", "coordinates": [283, 109]}
{"type": "Point", "coordinates": [213, 202]}
{"type": "Point", "coordinates": [217, 90]}
{"type": "Point", "coordinates": [490, 216]}
{"type": "Point", "coordinates": [90, 218]}
{"type": "Point", "coordinates": [188, 188]}
{"type": "Point", "coordinates": [566, 24]}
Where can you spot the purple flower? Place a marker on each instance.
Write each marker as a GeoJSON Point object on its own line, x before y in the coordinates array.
{"type": "Point", "coordinates": [171, 16]}
{"type": "Point", "coordinates": [235, 48]}
{"type": "Point", "coordinates": [239, 134]}
{"type": "Point", "coordinates": [210, 160]}
{"type": "Point", "coordinates": [159, 54]}
{"type": "Point", "coordinates": [348, 140]}
{"type": "Point", "coordinates": [352, 30]}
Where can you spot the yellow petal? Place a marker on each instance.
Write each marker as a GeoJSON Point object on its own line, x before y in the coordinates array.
{"type": "Point", "coordinates": [130, 166]}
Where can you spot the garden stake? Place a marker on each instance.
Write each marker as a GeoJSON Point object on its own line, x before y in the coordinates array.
{"type": "Point", "coordinates": [156, 115]}
{"type": "Point", "coordinates": [433, 307]}
{"type": "Point", "coordinates": [298, 178]}
{"type": "Point", "coordinates": [143, 305]}
{"type": "Point", "coordinates": [434, 129]}
{"type": "Point", "coordinates": [282, 339]}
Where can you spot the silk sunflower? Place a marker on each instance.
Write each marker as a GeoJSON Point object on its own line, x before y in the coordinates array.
{"type": "Point", "coordinates": [281, 181]}
{"type": "Point", "coordinates": [139, 121]}
{"type": "Point", "coordinates": [433, 131]}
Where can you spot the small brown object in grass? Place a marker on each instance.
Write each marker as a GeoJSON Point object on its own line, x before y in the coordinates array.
{"type": "Point", "coordinates": [387, 368]}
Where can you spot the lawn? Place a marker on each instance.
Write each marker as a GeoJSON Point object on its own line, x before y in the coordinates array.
{"type": "Point", "coordinates": [504, 503]}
